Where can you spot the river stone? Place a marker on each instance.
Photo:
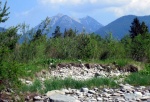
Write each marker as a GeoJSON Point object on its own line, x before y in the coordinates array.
{"type": "Point", "coordinates": [37, 98]}
{"type": "Point", "coordinates": [138, 94]}
{"type": "Point", "coordinates": [84, 90]}
{"type": "Point", "coordinates": [50, 93]}
{"type": "Point", "coordinates": [62, 98]}
{"type": "Point", "coordinates": [91, 92]}
{"type": "Point", "coordinates": [99, 99]}
{"type": "Point", "coordinates": [145, 98]}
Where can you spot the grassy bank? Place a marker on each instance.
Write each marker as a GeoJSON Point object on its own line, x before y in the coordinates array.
{"type": "Point", "coordinates": [57, 83]}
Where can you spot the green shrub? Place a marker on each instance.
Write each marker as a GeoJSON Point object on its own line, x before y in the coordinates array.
{"type": "Point", "coordinates": [9, 74]}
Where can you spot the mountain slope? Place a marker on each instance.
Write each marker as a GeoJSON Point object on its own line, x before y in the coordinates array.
{"type": "Point", "coordinates": [90, 23]}
{"type": "Point", "coordinates": [120, 27]}
{"type": "Point", "coordinates": [2, 29]}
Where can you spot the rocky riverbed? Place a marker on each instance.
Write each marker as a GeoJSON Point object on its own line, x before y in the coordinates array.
{"type": "Point", "coordinates": [125, 93]}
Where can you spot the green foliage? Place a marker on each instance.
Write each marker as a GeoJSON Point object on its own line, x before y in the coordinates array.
{"type": "Point", "coordinates": [112, 49]}
{"type": "Point", "coordinates": [9, 74]}
{"type": "Point", "coordinates": [139, 47]}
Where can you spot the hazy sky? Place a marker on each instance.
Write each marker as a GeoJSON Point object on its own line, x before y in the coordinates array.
{"type": "Point", "coordinates": [32, 12]}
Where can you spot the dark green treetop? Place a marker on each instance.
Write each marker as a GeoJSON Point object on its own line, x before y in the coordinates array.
{"type": "Point", "coordinates": [137, 28]}
{"type": "Point", "coordinates": [57, 32]}
{"type": "Point", "coordinates": [4, 12]}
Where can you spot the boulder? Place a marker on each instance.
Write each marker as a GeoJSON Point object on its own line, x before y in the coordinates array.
{"type": "Point", "coordinates": [62, 98]}
{"type": "Point", "coordinates": [53, 92]}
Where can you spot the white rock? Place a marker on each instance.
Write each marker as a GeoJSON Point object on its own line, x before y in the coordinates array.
{"type": "Point", "coordinates": [106, 94]}
{"type": "Point", "coordinates": [28, 82]}
{"type": "Point", "coordinates": [138, 94]}
{"type": "Point", "coordinates": [145, 98]}
{"type": "Point", "coordinates": [91, 92]}
{"type": "Point", "coordinates": [120, 99]}
{"type": "Point", "coordinates": [37, 98]}
{"type": "Point", "coordinates": [106, 90]}
{"type": "Point", "coordinates": [84, 90]}
{"type": "Point", "coordinates": [126, 87]}
{"type": "Point", "coordinates": [62, 98]}
{"type": "Point", "coordinates": [99, 99]}
{"type": "Point", "coordinates": [116, 94]}
{"type": "Point", "coordinates": [49, 93]}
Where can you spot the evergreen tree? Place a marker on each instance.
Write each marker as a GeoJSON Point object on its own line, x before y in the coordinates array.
{"type": "Point", "coordinates": [57, 32]}
{"type": "Point", "coordinates": [37, 35]}
{"type": "Point", "coordinates": [144, 28]}
{"type": "Point", "coordinates": [65, 33]}
{"type": "Point", "coordinates": [135, 28]}
{"type": "Point", "coordinates": [69, 33]}
{"type": "Point", "coordinates": [3, 12]}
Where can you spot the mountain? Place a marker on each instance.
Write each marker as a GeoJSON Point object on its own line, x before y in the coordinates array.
{"type": "Point", "coordinates": [121, 26]}
{"type": "Point", "coordinates": [90, 23]}
{"type": "Point", "coordinates": [65, 22]}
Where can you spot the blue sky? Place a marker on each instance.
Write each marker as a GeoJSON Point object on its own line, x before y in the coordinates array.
{"type": "Point", "coordinates": [32, 12]}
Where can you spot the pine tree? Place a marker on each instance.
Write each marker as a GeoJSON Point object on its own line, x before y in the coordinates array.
{"type": "Point", "coordinates": [65, 33]}
{"type": "Point", "coordinates": [144, 28]}
{"type": "Point", "coordinates": [69, 33]}
{"type": "Point", "coordinates": [3, 13]}
{"type": "Point", "coordinates": [135, 28]}
{"type": "Point", "coordinates": [138, 28]}
{"type": "Point", "coordinates": [57, 32]}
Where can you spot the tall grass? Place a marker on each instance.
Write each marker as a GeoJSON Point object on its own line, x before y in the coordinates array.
{"type": "Point", "coordinates": [35, 87]}
{"type": "Point", "coordinates": [54, 84]}
{"type": "Point", "coordinates": [140, 78]}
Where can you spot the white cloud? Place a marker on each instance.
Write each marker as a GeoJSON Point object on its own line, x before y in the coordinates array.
{"type": "Point", "coordinates": [118, 7]}
{"type": "Point", "coordinates": [74, 2]}
{"type": "Point", "coordinates": [134, 7]}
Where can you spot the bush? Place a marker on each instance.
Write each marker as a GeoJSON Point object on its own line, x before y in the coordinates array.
{"type": "Point", "coordinates": [9, 74]}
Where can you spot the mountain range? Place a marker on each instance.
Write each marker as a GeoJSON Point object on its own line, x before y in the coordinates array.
{"type": "Point", "coordinates": [119, 27]}
{"type": "Point", "coordinates": [88, 24]}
